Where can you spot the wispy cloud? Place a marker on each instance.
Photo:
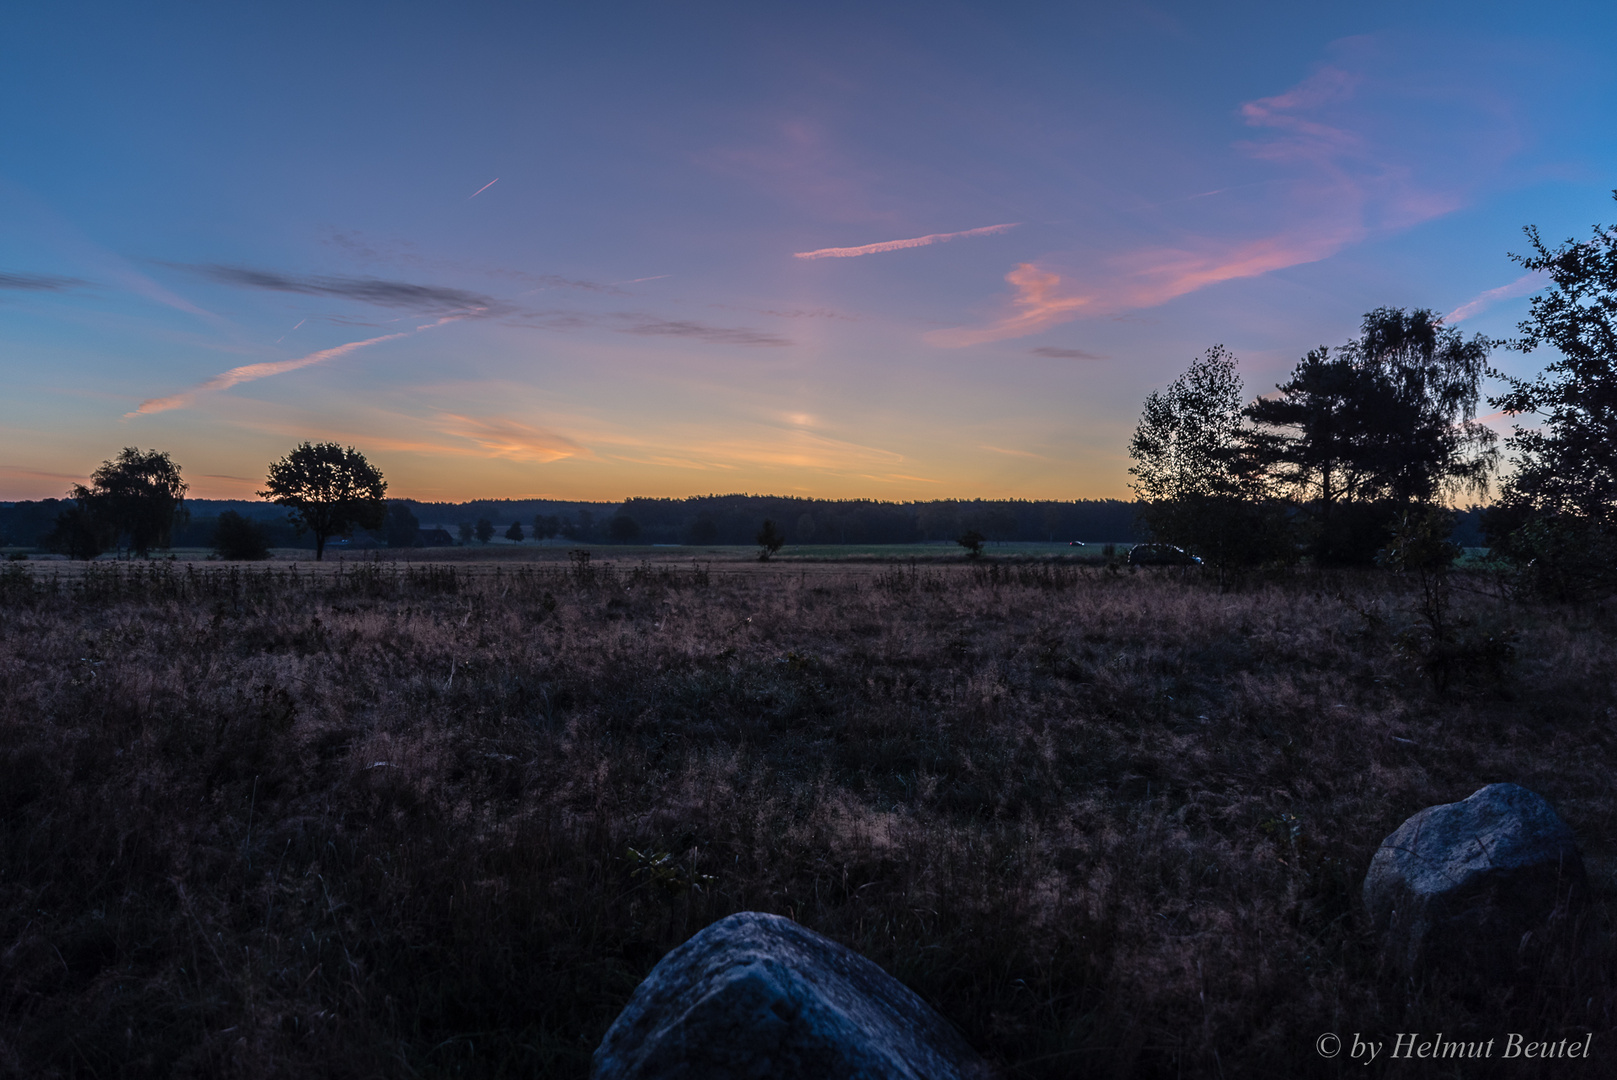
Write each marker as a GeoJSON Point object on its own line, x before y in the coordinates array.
{"type": "Point", "coordinates": [502, 437]}
{"type": "Point", "coordinates": [643, 324]}
{"type": "Point", "coordinates": [482, 189]}
{"type": "Point", "coordinates": [250, 372]}
{"type": "Point", "coordinates": [713, 335]}
{"type": "Point", "coordinates": [1065, 354]}
{"type": "Point", "coordinates": [900, 245]}
{"type": "Point", "coordinates": [38, 282]}
{"type": "Point", "coordinates": [394, 294]}
{"type": "Point", "coordinates": [1012, 453]}
{"type": "Point", "coordinates": [1476, 305]}
{"type": "Point", "coordinates": [1341, 189]}
{"type": "Point", "coordinates": [1039, 303]}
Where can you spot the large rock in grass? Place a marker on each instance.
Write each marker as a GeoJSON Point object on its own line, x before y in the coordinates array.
{"type": "Point", "coordinates": [1474, 884]}
{"type": "Point", "coordinates": [758, 996]}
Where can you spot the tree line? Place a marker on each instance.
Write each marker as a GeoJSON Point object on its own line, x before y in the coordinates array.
{"type": "Point", "coordinates": [93, 519]}
{"type": "Point", "coordinates": [1362, 451]}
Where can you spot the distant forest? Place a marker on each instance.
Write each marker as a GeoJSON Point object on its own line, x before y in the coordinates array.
{"type": "Point", "coordinates": [702, 520]}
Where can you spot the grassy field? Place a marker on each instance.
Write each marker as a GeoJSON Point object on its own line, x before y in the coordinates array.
{"type": "Point", "coordinates": [560, 551]}
{"type": "Point", "coordinates": [371, 819]}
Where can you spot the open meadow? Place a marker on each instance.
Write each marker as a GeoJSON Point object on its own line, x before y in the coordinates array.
{"type": "Point", "coordinates": [371, 819]}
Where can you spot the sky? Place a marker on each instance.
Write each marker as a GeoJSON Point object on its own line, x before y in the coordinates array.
{"type": "Point", "coordinates": [893, 251]}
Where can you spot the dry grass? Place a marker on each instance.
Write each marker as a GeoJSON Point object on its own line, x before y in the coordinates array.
{"type": "Point", "coordinates": [437, 822]}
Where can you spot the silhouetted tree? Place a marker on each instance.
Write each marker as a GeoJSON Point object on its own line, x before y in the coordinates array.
{"type": "Point", "coordinates": [623, 529]}
{"type": "Point", "coordinates": [78, 534]}
{"type": "Point", "coordinates": [770, 540]}
{"type": "Point", "coordinates": [972, 541]}
{"type": "Point", "coordinates": [238, 537]}
{"type": "Point", "coordinates": [1558, 512]}
{"type": "Point", "coordinates": [1386, 424]}
{"type": "Point", "coordinates": [545, 526]}
{"type": "Point", "coordinates": [467, 531]}
{"type": "Point", "coordinates": [330, 491]}
{"type": "Point", "coordinates": [134, 498]}
{"type": "Point", "coordinates": [514, 533]}
{"type": "Point", "coordinates": [1199, 489]}
{"type": "Point", "coordinates": [485, 530]}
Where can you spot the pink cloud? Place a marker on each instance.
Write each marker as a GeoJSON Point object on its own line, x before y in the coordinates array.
{"type": "Point", "coordinates": [249, 372]}
{"type": "Point", "coordinates": [1141, 279]}
{"type": "Point", "coordinates": [1039, 303]}
{"type": "Point", "coordinates": [1341, 190]}
{"type": "Point", "coordinates": [900, 245]}
{"type": "Point", "coordinates": [1520, 287]}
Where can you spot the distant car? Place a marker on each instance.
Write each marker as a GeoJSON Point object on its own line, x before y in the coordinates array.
{"type": "Point", "coordinates": [1075, 543]}
{"type": "Point", "coordinates": [1161, 555]}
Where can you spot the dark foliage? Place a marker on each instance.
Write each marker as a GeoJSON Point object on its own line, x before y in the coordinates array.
{"type": "Point", "coordinates": [1386, 424]}
{"type": "Point", "coordinates": [401, 528]}
{"type": "Point", "coordinates": [240, 538]}
{"type": "Point", "coordinates": [769, 540]}
{"type": "Point", "coordinates": [1562, 498]}
{"type": "Point", "coordinates": [79, 534]}
{"type": "Point", "coordinates": [330, 490]}
{"type": "Point", "coordinates": [133, 500]}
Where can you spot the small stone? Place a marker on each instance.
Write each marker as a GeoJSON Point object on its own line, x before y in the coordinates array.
{"type": "Point", "coordinates": [1473, 883]}
{"type": "Point", "coordinates": [757, 996]}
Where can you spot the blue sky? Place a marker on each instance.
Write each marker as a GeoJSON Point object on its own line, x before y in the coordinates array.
{"type": "Point", "coordinates": [528, 251]}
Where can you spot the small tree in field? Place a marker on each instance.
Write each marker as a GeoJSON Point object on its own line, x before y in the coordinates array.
{"type": "Point", "coordinates": [514, 533]}
{"type": "Point", "coordinates": [770, 540]}
{"type": "Point", "coordinates": [330, 491]}
{"type": "Point", "coordinates": [78, 534]}
{"type": "Point", "coordinates": [485, 530]}
{"type": "Point", "coordinates": [238, 537]}
{"type": "Point", "coordinates": [134, 498]}
{"type": "Point", "coordinates": [972, 541]}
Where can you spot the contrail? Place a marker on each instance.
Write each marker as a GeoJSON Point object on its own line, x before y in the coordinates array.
{"type": "Point", "coordinates": [482, 189]}
{"type": "Point", "coordinates": [899, 245]}
{"type": "Point", "coordinates": [249, 372]}
{"type": "Point", "coordinates": [1520, 287]}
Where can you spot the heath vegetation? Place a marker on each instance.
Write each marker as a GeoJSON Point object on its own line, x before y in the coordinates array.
{"type": "Point", "coordinates": [433, 821]}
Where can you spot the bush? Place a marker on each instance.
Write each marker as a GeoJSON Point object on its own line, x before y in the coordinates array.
{"type": "Point", "coordinates": [79, 534]}
{"type": "Point", "coordinates": [240, 538]}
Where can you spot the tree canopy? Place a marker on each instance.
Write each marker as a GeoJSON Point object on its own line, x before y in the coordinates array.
{"type": "Point", "coordinates": [329, 489]}
{"type": "Point", "coordinates": [1558, 514]}
{"type": "Point", "coordinates": [1568, 463]}
{"type": "Point", "coordinates": [1195, 478]}
{"type": "Point", "coordinates": [131, 501]}
{"type": "Point", "coordinates": [1388, 422]}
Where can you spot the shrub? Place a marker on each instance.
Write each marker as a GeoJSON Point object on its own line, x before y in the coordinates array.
{"type": "Point", "coordinates": [240, 538]}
